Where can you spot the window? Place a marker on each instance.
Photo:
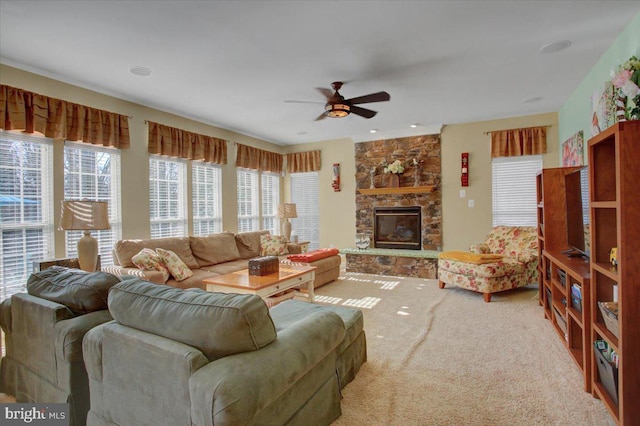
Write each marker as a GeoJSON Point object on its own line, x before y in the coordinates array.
{"type": "Point", "coordinates": [304, 193]}
{"type": "Point", "coordinates": [167, 197]}
{"type": "Point", "coordinates": [514, 190]}
{"type": "Point", "coordinates": [206, 187]}
{"type": "Point", "coordinates": [94, 173]}
{"type": "Point", "coordinates": [270, 201]}
{"type": "Point", "coordinates": [248, 202]}
{"type": "Point", "coordinates": [26, 208]}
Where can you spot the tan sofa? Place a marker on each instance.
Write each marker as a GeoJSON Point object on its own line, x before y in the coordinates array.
{"type": "Point", "coordinates": [215, 254]}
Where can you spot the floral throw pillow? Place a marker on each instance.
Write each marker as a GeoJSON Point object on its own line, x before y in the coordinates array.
{"type": "Point", "coordinates": [273, 245]}
{"type": "Point", "coordinates": [174, 264]}
{"type": "Point", "coordinates": [148, 260]}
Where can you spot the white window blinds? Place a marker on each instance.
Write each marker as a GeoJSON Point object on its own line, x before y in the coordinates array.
{"type": "Point", "coordinates": [26, 208]}
{"type": "Point", "coordinates": [206, 188]}
{"type": "Point", "coordinates": [514, 190]}
{"type": "Point", "coordinates": [305, 195]}
{"type": "Point", "coordinates": [270, 200]}
{"type": "Point", "coordinates": [167, 197]}
{"type": "Point", "coordinates": [248, 201]}
{"type": "Point", "coordinates": [94, 173]}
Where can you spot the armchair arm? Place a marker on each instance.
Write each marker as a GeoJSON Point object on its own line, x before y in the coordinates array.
{"type": "Point", "coordinates": [294, 248]}
{"type": "Point", "coordinates": [69, 334]}
{"type": "Point", "coordinates": [481, 248]}
{"type": "Point", "coordinates": [231, 390]}
{"type": "Point", "coordinates": [526, 257]}
{"type": "Point", "coordinates": [5, 315]}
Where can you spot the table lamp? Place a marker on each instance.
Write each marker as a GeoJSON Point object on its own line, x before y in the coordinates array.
{"type": "Point", "coordinates": [84, 215]}
{"type": "Point", "coordinates": [287, 211]}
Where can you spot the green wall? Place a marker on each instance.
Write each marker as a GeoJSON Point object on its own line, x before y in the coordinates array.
{"type": "Point", "coordinates": [575, 114]}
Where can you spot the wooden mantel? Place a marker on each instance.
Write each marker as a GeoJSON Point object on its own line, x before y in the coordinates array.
{"type": "Point", "coordinates": [400, 190]}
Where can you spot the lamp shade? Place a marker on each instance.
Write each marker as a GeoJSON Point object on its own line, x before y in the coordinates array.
{"type": "Point", "coordinates": [287, 211]}
{"type": "Point", "coordinates": [83, 215]}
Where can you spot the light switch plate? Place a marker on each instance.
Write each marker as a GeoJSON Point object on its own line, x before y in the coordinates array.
{"type": "Point", "coordinates": [463, 193]}
{"type": "Point", "coordinates": [471, 203]}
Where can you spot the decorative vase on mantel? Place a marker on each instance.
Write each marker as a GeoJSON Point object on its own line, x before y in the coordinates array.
{"type": "Point", "coordinates": [394, 181]}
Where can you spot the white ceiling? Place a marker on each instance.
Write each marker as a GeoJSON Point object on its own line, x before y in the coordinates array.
{"type": "Point", "coordinates": [233, 64]}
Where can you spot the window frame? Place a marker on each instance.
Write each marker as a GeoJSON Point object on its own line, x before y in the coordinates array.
{"type": "Point", "coordinates": [209, 198]}
{"type": "Point", "coordinates": [305, 194]}
{"type": "Point", "coordinates": [108, 237]}
{"type": "Point", "coordinates": [514, 203]}
{"type": "Point", "coordinates": [177, 221]}
{"type": "Point", "coordinates": [23, 259]}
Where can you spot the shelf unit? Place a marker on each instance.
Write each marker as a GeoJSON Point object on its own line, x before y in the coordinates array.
{"type": "Point", "coordinates": [552, 218]}
{"type": "Point", "coordinates": [614, 159]}
{"type": "Point", "coordinates": [572, 324]}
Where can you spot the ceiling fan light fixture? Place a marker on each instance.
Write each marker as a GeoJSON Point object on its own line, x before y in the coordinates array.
{"type": "Point", "coordinates": [337, 110]}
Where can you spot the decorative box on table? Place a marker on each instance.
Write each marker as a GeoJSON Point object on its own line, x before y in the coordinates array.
{"type": "Point", "coordinates": [264, 265]}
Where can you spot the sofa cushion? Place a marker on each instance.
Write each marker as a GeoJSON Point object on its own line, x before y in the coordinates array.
{"type": "Point", "coordinates": [218, 324]}
{"type": "Point", "coordinates": [273, 245]}
{"type": "Point", "coordinates": [249, 243]}
{"type": "Point", "coordinates": [149, 260]}
{"type": "Point", "coordinates": [126, 249]}
{"type": "Point", "coordinates": [214, 249]}
{"type": "Point", "coordinates": [176, 267]}
{"type": "Point", "coordinates": [82, 292]}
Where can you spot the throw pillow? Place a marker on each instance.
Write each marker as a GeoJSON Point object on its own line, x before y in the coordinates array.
{"type": "Point", "coordinates": [149, 260]}
{"type": "Point", "coordinates": [273, 245]}
{"type": "Point", "coordinates": [177, 267]}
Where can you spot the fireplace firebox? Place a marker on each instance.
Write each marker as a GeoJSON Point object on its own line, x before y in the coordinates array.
{"type": "Point", "coordinates": [397, 227]}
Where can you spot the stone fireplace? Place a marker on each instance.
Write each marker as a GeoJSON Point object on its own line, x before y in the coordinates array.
{"type": "Point", "coordinates": [371, 155]}
{"type": "Point", "coordinates": [418, 191]}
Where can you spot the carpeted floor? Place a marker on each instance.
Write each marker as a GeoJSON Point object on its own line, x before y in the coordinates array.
{"type": "Point", "coordinates": [445, 357]}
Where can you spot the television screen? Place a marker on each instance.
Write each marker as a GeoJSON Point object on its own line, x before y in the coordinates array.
{"type": "Point", "coordinates": [577, 188]}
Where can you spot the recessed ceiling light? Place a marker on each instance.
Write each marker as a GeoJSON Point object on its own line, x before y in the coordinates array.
{"type": "Point", "coordinates": [413, 126]}
{"type": "Point", "coordinates": [373, 130]}
{"type": "Point", "coordinates": [554, 47]}
{"type": "Point", "coordinates": [140, 71]}
{"type": "Point", "coordinates": [532, 100]}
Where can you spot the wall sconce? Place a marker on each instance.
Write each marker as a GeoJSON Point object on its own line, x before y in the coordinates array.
{"type": "Point", "coordinates": [336, 177]}
{"type": "Point", "coordinates": [465, 169]}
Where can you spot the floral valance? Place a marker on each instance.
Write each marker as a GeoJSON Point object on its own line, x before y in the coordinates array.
{"type": "Point", "coordinates": [258, 159]}
{"type": "Point", "coordinates": [515, 142]}
{"type": "Point", "coordinates": [173, 142]}
{"type": "Point", "coordinates": [300, 162]}
{"type": "Point", "coordinates": [58, 119]}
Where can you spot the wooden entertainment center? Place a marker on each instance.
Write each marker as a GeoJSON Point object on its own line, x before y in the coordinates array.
{"type": "Point", "coordinates": [614, 178]}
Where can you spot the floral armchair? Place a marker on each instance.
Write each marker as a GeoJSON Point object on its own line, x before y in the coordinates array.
{"type": "Point", "coordinates": [484, 270]}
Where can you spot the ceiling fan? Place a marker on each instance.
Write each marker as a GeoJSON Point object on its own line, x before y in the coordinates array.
{"type": "Point", "coordinates": [337, 106]}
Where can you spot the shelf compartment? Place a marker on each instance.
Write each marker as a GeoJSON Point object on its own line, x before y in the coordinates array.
{"type": "Point", "coordinates": [609, 404]}
{"type": "Point", "coordinates": [604, 227]}
{"type": "Point", "coordinates": [602, 162]}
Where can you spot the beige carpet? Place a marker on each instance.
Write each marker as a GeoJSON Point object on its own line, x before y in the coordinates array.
{"type": "Point", "coordinates": [445, 357]}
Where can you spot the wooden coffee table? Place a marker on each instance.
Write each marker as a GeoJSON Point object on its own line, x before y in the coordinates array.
{"type": "Point", "coordinates": [289, 276]}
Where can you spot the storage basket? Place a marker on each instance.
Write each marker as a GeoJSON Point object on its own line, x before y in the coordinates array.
{"type": "Point", "coordinates": [609, 312]}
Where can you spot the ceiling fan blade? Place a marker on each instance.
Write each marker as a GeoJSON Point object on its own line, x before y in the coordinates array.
{"type": "Point", "coordinates": [363, 112]}
{"type": "Point", "coordinates": [326, 92]}
{"type": "Point", "coordinates": [321, 116]}
{"type": "Point", "coordinates": [303, 102]}
{"type": "Point", "coordinates": [374, 97]}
